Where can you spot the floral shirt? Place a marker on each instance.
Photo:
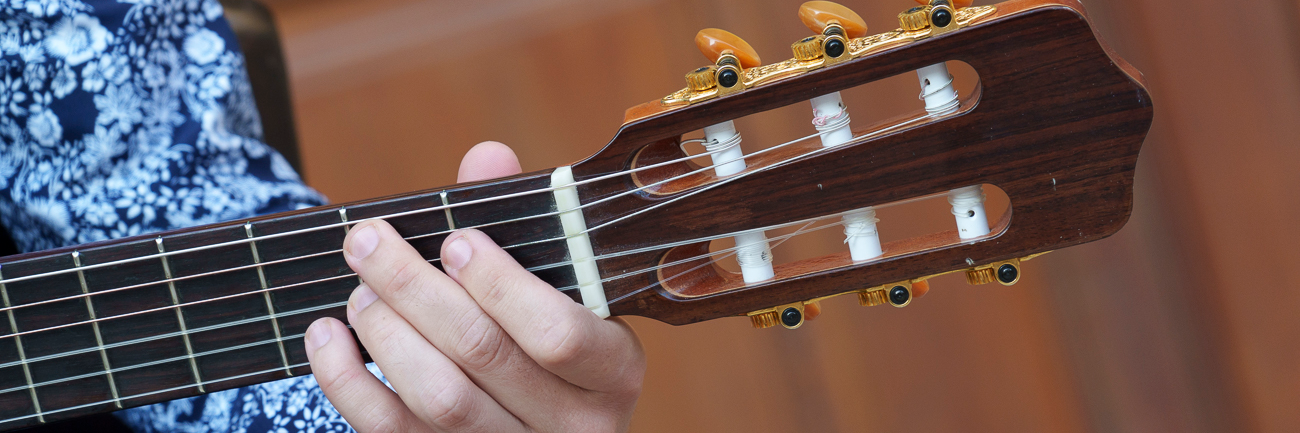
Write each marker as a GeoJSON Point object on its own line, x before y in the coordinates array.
{"type": "Point", "coordinates": [123, 117]}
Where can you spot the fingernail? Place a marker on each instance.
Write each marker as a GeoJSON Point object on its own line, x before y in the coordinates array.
{"type": "Point", "coordinates": [363, 297]}
{"type": "Point", "coordinates": [317, 335]}
{"type": "Point", "coordinates": [457, 254]}
{"type": "Point", "coordinates": [363, 242]}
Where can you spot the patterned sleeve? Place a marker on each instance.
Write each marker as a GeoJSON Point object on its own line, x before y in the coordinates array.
{"type": "Point", "coordinates": [123, 117]}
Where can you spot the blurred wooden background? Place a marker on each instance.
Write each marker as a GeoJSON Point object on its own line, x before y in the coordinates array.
{"type": "Point", "coordinates": [1186, 321]}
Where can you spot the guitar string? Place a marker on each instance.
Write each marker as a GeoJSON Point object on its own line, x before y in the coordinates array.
{"type": "Point", "coordinates": [592, 229]}
{"type": "Point", "coordinates": [350, 275]}
{"type": "Point", "coordinates": [333, 278]}
{"type": "Point", "coordinates": [289, 259]}
{"type": "Point", "coordinates": [244, 241]}
{"type": "Point", "coordinates": [161, 391]}
{"type": "Point", "coordinates": [723, 254]}
{"type": "Point", "coordinates": [414, 237]}
{"type": "Point", "coordinates": [720, 255]}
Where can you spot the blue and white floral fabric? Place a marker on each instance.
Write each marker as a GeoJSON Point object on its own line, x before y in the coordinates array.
{"type": "Point", "coordinates": [125, 117]}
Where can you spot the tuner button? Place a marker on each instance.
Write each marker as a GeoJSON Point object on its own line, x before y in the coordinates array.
{"type": "Point", "coordinates": [713, 43]}
{"type": "Point", "coordinates": [791, 317]}
{"type": "Point", "coordinates": [1008, 274]}
{"type": "Point", "coordinates": [817, 15]}
{"type": "Point", "coordinates": [900, 296]}
{"type": "Point", "coordinates": [914, 19]}
{"type": "Point", "coordinates": [955, 3]}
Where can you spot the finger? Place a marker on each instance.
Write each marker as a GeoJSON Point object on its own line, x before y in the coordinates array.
{"type": "Point", "coordinates": [427, 382]}
{"type": "Point", "coordinates": [561, 335]}
{"type": "Point", "coordinates": [488, 160]}
{"type": "Point", "coordinates": [359, 396]}
{"type": "Point", "coordinates": [448, 318]}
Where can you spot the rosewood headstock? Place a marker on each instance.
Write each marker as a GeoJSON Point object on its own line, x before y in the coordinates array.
{"type": "Point", "coordinates": [1056, 122]}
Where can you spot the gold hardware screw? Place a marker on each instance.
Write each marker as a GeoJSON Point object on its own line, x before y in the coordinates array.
{"type": "Point", "coordinates": [917, 18]}
{"type": "Point", "coordinates": [872, 298]}
{"type": "Point", "coordinates": [809, 48]}
{"type": "Point", "coordinates": [701, 79]}
{"type": "Point", "coordinates": [763, 320]}
{"type": "Point", "coordinates": [980, 276]}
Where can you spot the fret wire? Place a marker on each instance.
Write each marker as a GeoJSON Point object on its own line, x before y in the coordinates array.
{"type": "Point", "coordinates": [151, 310]}
{"type": "Point", "coordinates": [161, 391]}
{"type": "Point", "coordinates": [162, 361]}
{"type": "Point", "coordinates": [270, 308]}
{"type": "Point", "coordinates": [180, 316]}
{"type": "Point", "coordinates": [528, 243]}
{"type": "Point", "coordinates": [451, 222]}
{"type": "Point", "coordinates": [317, 308]}
{"type": "Point", "coordinates": [343, 215]}
{"type": "Point", "coordinates": [163, 254]}
{"type": "Point", "coordinates": [430, 209]}
{"type": "Point", "coordinates": [90, 308]}
{"type": "Point", "coordinates": [22, 355]}
{"type": "Point", "coordinates": [175, 334]}
{"type": "Point", "coordinates": [605, 256]}
{"type": "Point", "coordinates": [782, 239]}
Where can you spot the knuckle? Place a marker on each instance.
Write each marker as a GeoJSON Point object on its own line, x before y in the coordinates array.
{"type": "Point", "coordinates": [482, 347]}
{"type": "Point", "coordinates": [340, 382]}
{"type": "Point", "coordinates": [497, 285]}
{"type": "Point", "coordinates": [451, 407]}
{"type": "Point", "coordinates": [561, 344]}
{"type": "Point", "coordinates": [405, 280]}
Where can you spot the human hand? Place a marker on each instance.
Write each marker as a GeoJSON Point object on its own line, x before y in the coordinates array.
{"type": "Point", "coordinates": [485, 346]}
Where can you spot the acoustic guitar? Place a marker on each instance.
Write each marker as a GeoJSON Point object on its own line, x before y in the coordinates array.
{"type": "Point", "coordinates": [1055, 122]}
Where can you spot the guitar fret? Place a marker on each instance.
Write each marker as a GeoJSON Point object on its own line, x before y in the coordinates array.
{"type": "Point", "coordinates": [22, 355]}
{"type": "Point", "coordinates": [270, 308]}
{"type": "Point", "coordinates": [180, 315]}
{"type": "Point", "coordinates": [343, 215]}
{"type": "Point", "coordinates": [99, 339]}
{"type": "Point", "coordinates": [451, 223]}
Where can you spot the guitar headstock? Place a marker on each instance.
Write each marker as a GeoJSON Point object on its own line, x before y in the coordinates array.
{"type": "Point", "coordinates": [1055, 122]}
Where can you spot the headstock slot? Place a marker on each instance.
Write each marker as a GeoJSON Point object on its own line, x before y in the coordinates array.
{"type": "Point", "coordinates": [765, 151]}
{"type": "Point", "coordinates": [703, 268]}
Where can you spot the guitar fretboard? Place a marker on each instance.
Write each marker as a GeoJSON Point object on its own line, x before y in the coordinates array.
{"type": "Point", "coordinates": [152, 318]}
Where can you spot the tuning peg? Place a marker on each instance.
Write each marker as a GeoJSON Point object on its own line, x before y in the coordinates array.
{"type": "Point", "coordinates": [957, 3]}
{"type": "Point", "coordinates": [1005, 273]}
{"type": "Point", "coordinates": [819, 15]}
{"type": "Point", "coordinates": [715, 43]}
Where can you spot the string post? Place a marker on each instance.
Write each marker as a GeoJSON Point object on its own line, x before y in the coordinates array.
{"type": "Point", "coordinates": [936, 89]}
{"type": "Point", "coordinates": [723, 139]}
{"type": "Point", "coordinates": [831, 119]}
{"type": "Point", "coordinates": [861, 235]}
{"type": "Point", "coordinates": [755, 256]}
{"type": "Point", "coordinates": [968, 209]}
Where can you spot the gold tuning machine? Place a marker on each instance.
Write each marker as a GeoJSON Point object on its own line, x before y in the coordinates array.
{"type": "Point", "coordinates": [791, 316]}
{"type": "Point", "coordinates": [835, 25]}
{"type": "Point", "coordinates": [898, 294]}
{"type": "Point", "coordinates": [730, 55]}
{"type": "Point", "coordinates": [938, 16]}
{"type": "Point", "coordinates": [1006, 272]}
